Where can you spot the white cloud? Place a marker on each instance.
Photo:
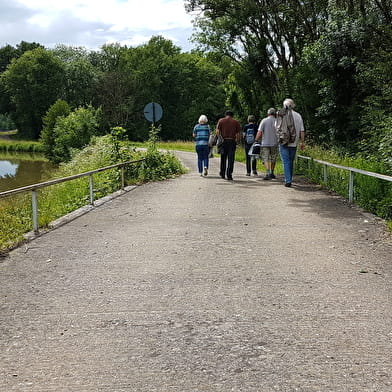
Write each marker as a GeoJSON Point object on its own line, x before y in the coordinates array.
{"type": "Point", "coordinates": [92, 23]}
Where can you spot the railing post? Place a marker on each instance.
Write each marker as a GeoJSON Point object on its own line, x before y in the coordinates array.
{"type": "Point", "coordinates": [325, 170]}
{"type": "Point", "coordinates": [122, 178]}
{"type": "Point", "coordinates": [351, 187]}
{"type": "Point", "coordinates": [91, 182]}
{"type": "Point", "coordinates": [34, 204]}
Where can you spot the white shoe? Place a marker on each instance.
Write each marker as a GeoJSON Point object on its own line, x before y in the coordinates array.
{"type": "Point", "coordinates": [205, 171]}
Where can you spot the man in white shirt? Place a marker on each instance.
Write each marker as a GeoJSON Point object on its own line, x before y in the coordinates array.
{"type": "Point", "coordinates": [287, 152]}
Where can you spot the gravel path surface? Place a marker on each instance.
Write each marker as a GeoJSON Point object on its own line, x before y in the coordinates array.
{"type": "Point", "coordinates": [201, 284]}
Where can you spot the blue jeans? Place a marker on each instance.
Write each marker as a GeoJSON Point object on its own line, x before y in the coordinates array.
{"type": "Point", "coordinates": [287, 155]}
{"type": "Point", "coordinates": [202, 157]}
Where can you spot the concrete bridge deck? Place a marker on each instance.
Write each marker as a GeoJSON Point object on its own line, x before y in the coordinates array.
{"type": "Point", "coordinates": [201, 284]}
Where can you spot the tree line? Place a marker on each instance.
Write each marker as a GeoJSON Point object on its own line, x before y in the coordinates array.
{"type": "Point", "coordinates": [332, 57]}
{"type": "Point", "coordinates": [39, 85]}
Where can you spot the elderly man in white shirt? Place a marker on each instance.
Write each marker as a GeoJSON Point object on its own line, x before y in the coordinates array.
{"type": "Point", "coordinates": [287, 152]}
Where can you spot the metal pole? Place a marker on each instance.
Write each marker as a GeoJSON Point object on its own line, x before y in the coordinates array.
{"type": "Point", "coordinates": [325, 167]}
{"type": "Point", "coordinates": [122, 178]}
{"type": "Point", "coordinates": [351, 187]}
{"type": "Point", "coordinates": [34, 204]}
{"type": "Point", "coordinates": [91, 189]}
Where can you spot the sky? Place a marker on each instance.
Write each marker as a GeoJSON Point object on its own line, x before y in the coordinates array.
{"type": "Point", "coordinates": [93, 23]}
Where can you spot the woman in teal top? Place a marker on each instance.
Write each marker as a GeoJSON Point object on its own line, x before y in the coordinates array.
{"type": "Point", "coordinates": [201, 133]}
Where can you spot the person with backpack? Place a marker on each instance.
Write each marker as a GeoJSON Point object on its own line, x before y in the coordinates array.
{"type": "Point", "coordinates": [269, 143]}
{"type": "Point", "coordinates": [290, 130]}
{"type": "Point", "coordinates": [249, 132]}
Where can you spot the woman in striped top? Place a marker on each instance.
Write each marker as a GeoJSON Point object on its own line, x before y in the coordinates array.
{"type": "Point", "coordinates": [201, 133]}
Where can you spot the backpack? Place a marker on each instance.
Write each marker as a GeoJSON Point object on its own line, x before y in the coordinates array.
{"type": "Point", "coordinates": [285, 126]}
{"type": "Point", "coordinates": [250, 135]}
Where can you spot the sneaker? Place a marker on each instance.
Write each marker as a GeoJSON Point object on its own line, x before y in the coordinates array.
{"type": "Point", "coordinates": [267, 177]}
{"type": "Point", "coordinates": [248, 174]}
{"type": "Point", "coordinates": [205, 171]}
{"type": "Point", "coordinates": [272, 176]}
{"type": "Point", "coordinates": [255, 173]}
{"type": "Point", "coordinates": [230, 178]}
{"type": "Point", "coordinates": [287, 184]}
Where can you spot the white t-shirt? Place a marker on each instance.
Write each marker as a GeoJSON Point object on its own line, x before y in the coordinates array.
{"type": "Point", "coordinates": [299, 127]}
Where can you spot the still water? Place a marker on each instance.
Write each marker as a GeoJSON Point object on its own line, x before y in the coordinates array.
{"type": "Point", "coordinates": [21, 169]}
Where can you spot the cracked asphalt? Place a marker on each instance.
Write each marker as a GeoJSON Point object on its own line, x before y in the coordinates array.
{"type": "Point", "coordinates": [201, 284]}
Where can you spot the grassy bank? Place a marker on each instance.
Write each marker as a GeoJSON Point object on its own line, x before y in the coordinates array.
{"type": "Point", "coordinates": [370, 193]}
{"type": "Point", "coordinates": [20, 146]}
{"type": "Point", "coordinates": [60, 199]}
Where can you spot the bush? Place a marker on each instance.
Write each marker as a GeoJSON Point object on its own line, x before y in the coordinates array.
{"type": "Point", "coordinates": [370, 193]}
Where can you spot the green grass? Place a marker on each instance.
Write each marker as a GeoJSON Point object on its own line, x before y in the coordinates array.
{"type": "Point", "coordinates": [370, 193]}
{"type": "Point", "coordinates": [60, 199]}
{"type": "Point", "coordinates": [20, 146]}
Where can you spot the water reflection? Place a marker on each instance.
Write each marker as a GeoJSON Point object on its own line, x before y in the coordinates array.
{"type": "Point", "coordinates": [17, 170]}
{"type": "Point", "coordinates": [8, 169]}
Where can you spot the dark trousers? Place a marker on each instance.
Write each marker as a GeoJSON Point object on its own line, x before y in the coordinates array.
{"type": "Point", "coordinates": [227, 158]}
{"type": "Point", "coordinates": [249, 161]}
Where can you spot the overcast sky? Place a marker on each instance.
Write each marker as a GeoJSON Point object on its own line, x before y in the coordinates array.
{"type": "Point", "coordinates": [92, 23]}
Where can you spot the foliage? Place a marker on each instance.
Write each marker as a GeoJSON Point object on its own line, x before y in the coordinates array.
{"type": "Point", "coordinates": [59, 109]}
{"type": "Point", "coordinates": [74, 132]}
{"type": "Point", "coordinates": [6, 123]}
{"type": "Point", "coordinates": [21, 146]}
{"type": "Point", "coordinates": [158, 165]}
{"type": "Point", "coordinates": [60, 199]}
{"type": "Point", "coordinates": [33, 81]}
{"type": "Point", "coordinates": [372, 194]}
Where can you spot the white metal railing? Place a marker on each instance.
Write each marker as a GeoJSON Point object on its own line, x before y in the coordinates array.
{"type": "Point", "coordinates": [33, 188]}
{"type": "Point", "coordinates": [352, 170]}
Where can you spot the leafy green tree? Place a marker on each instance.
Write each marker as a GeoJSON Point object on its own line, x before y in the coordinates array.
{"type": "Point", "coordinates": [74, 132]}
{"type": "Point", "coordinates": [59, 109]}
{"type": "Point", "coordinates": [34, 81]}
{"type": "Point", "coordinates": [81, 76]}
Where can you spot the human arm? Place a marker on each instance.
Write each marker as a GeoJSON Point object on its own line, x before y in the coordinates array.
{"type": "Point", "coordinates": [302, 137]}
{"type": "Point", "coordinates": [259, 135]}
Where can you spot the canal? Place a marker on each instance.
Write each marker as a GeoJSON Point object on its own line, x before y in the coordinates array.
{"type": "Point", "coordinates": [22, 169]}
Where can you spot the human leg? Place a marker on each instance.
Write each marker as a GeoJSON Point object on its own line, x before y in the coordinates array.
{"type": "Point", "coordinates": [248, 158]}
{"type": "Point", "coordinates": [273, 156]}
{"type": "Point", "coordinates": [231, 147]}
{"type": "Point", "coordinates": [199, 152]}
{"type": "Point", "coordinates": [223, 160]}
{"type": "Point", "coordinates": [285, 156]}
{"type": "Point", "coordinates": [288, 154]}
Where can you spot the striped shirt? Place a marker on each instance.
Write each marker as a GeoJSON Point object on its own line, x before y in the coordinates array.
{"type": "Point", "coordinates": [202, 134]}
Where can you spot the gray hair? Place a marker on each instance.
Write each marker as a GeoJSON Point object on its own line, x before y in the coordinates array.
{"type": "Point", "coordinates": [289, 103]}
{"type": "Point", "coordinates": [203, 119]}
{"type": "Point", "coordinates": [271, 111]}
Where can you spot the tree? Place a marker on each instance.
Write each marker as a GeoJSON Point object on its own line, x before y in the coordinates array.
{"type": "Point", "coordinates": [81, 76]}
{"type": "Point", "coordinates": [34, 81]}
{"type": "Point", "coordinates": [74, 132]}
{"type": "Point", "coordinates": [59, 109]}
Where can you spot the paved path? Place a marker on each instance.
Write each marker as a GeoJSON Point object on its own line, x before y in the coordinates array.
{"type": "Point", "coordinates": [200, 284]}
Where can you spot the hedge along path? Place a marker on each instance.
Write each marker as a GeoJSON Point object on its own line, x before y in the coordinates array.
{"type": "Point", "coordinates": [201, 284]}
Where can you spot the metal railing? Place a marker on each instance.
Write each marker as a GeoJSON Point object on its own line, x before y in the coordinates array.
{"type": "Point", "coordinates": [33, 188]}
{"type": "Point", "coordinates": [352, 170]}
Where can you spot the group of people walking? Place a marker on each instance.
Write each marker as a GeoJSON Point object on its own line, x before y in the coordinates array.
{"type": "Point", "coordinates": [230, 132]}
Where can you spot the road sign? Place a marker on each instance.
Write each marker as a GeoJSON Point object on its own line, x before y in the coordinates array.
{"type": "Point", "coordinates": [153, 112]}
